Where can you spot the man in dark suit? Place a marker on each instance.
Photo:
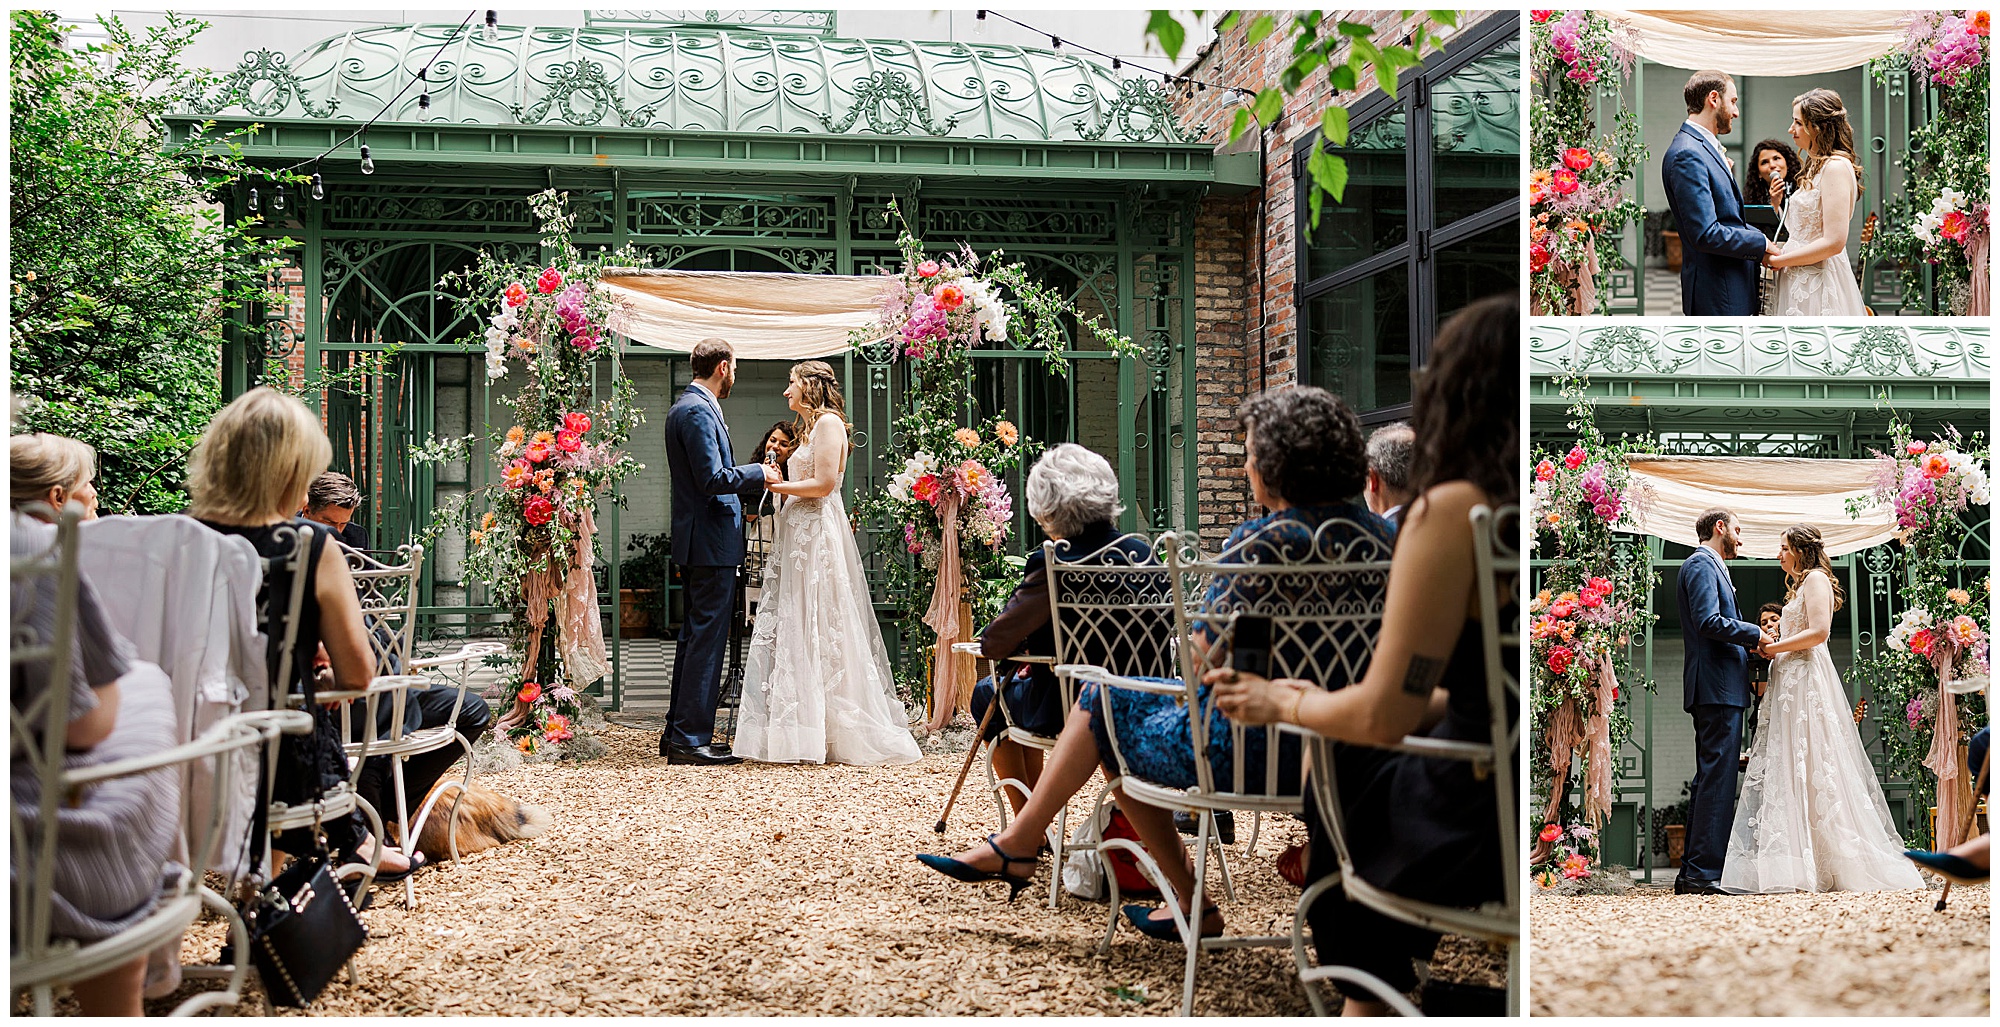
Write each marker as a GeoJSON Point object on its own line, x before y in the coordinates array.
{"type": "Point", "coordinates": [1388, 488]}
{"type": "Point", "coordinates": [1715, 686]}
{"type": "Point", "coordinates": [708, 548]}
{"type": "Point", "coordinates": [1719, 250]}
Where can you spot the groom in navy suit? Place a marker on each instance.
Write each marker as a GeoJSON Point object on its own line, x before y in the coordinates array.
{"type": "Point", "coordinates": [708, 548]}
{"type": "Point", "coordinates": [1719, 250]}
{"type": "Point", "coordinates": [1715, 685]}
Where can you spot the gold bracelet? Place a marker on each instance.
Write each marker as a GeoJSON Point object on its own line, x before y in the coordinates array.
{"type": "Point", "coordinates": [1297, 701]}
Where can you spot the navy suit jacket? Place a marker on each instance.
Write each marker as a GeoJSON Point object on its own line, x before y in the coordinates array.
{"type": "Point", "coordinates": [1713, 671]}
{"type": "Point", "coordinates": [708, 515]}
{"type": "Point", "coordinates": [1719, 250]}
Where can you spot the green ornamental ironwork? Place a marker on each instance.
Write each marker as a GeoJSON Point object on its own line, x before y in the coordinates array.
{"type": "Point", "coordinates": [698, 78]}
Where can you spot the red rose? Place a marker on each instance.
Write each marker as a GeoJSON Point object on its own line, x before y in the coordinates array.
{"type": "Point", "coordinates": [550, 281]}
{"type": "Point", "coordinates": [1564, 181]}
{"type": "Point", "coordinates": [539, 510]}
{"type": "Point", "coordinates": [1539, 257]}
{"type": "Point", "coordinates": [1590, 600]}
{"type": "Point", "coordinates": [568, 441]}
{"type": "Point", "coordinates": [1601, 586]}
{"type": "Point", "coordinates": [1545, 470]}
{"type": "Point", "coordinates": [1575, 458]}
{"type": "Point", "coordinates": [1559, 659]}
{"type": "Point", "coordinates": [1541, 17]}
{"type": "Point", "coordinates": [1578, 158]}
{"type": "Point", "coordinates": [530, 691]}
{"type": "Point", "coordinates": [577, 422]}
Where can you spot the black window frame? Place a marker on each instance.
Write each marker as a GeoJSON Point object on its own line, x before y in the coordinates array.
{"type": "Point", "coordinates": [1418, 252]}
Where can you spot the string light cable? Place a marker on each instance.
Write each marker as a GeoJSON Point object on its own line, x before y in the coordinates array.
{"type": "Point", "coordinates": [1188, 83]}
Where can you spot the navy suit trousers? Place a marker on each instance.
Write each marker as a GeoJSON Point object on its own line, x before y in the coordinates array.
{"type": "Point", "coordinates": [1718, 740]}
{"type": "Point", "coordinates": [704, 642]}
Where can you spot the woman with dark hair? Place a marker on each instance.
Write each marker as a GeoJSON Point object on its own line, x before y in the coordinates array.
{"type": "Point", "coordinates": [1424, 828]}
{"type": "Point", "coordinates": [1814, 275]}
{"type": "Point", "coordinates": [1826, 828]}
{"type": "Point", "coordinates": [1304, 456]}
{"type": "Point", "coordinates": [1770, 159]}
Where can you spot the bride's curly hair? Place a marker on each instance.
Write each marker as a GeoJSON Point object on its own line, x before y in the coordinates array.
{"type": "Point", "coordinates": [1832, 135]}
{"type": "Point", "coordinates": [819, 390]}
{"type": "Point", "coordinates": [1806, 542]}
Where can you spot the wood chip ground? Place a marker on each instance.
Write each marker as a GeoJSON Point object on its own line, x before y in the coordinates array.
{"type": "Point", "coordinates": [1842, 953]}
{"type": "Point", "coordinates": [764, 890]}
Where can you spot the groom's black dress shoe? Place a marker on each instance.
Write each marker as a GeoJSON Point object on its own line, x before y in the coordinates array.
{"type": "Point", "coordinates": [1688, 886]}
{"type": "Point", "coordinates": [701, 756]}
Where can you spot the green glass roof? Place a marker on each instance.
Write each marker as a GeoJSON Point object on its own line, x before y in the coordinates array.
{"type": "Point", "coordinates": [681, 79]}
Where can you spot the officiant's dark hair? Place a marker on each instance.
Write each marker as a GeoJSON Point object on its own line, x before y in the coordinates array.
{"type": "Point", "coordinates": [1704, 526]}
{"type": "Point", "coordinates": [1757, 188]}
{"type": "Point", "coordinates": [1702, 83]}
{"type": "Point", "coordinates": [707, 354]}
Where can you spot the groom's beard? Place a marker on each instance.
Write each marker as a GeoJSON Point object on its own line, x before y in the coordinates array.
{"type": "Point", "coordinates": [1723, 123]}
{"type": "Point", "coordinates": [1726, 549]}
{"type": "Point", "coordinates": [727, 386]}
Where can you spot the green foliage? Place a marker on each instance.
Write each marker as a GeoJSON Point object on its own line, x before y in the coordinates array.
{"type": "Point", "coordinates": [1576, 201]}
{"type": "Point", "coordinates": [123, 275]}
{"type": "Point", "coordinates": [1343, 56]}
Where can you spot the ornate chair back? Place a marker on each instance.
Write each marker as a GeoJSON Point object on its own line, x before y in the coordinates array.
{"type": "Point", "coordinates": [1109, 610]}
{"type": "Point", "coordinates": [388, 592]}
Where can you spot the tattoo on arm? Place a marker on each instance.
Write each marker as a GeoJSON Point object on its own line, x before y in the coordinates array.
{"type": "Point", "coordinates": [1423, 675]}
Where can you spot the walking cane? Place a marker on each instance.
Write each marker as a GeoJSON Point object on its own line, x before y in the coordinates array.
{"type": "Point", "coordinates": [977, 737]}
{"type": "Point", "coordinates": [1971, 815]}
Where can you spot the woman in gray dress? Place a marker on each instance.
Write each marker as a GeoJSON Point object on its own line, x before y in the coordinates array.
{"type": "Point", "coordinates": [111, 854]}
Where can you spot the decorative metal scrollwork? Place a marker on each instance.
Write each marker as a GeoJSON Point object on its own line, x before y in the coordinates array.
{"type": "Point", "coordinates": [1881, 351]}
{"type": "Point", "coordinates": [1624, 350]}
{"type": "Point", "coordinates": [1143, 112]}
{"type": "Point", "coordinates": [263, 85]}
{"type": "Point", "coordinates": [892, 106]}
{"type": "Point", "coordinates": [587, 78]}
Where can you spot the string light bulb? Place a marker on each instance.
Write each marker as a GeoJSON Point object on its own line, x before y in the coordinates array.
{"type": "Point", "coordinates": [367, 162]}
{"type": "Point", "coordinates": [278, 198]}
{"type": "Point", "coordinates": [492, 32]}
{"type": "Point", "coordinates": [318, 187]}
{"type": "Point", "coordinates": [252, 205]}
{"type": "Point", "coordinates": [423, 101]}
{"type": "Point", "coordinates": [1055, 42]}
{"type": "Point", "coordinates": [1116, 64]}
{"type": "Point", "coordinates": [979, 24]}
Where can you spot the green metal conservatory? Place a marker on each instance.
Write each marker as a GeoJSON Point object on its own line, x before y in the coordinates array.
{"type": "Point", "coordinates": [710, 146]}
{"type": "Point", "coordinates": [1770, 390]}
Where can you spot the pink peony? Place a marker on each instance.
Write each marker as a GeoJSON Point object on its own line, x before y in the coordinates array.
{"type": "Point", "coordinates": [1575, 458]}
{"type": "Point", "coordinates": [516, 294]}
{"type": "Point", "coordinates": [549, 281]}
{"type": "Point", "coordinates": [927, 269]}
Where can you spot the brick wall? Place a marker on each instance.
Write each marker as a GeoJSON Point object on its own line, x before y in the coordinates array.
{"type": "Point", "coordinates": [1246, 338]}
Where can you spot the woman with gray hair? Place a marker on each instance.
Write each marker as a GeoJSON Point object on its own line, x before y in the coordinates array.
{"type": "Point", "coordinates": [1073, 496]}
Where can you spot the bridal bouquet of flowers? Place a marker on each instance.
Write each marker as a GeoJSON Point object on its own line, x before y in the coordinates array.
{"type": "Point", "coordinates": [1589, 601]}
{"type": "Point", "coordinates": [1576, 188]}
{"type": "Point", "coordinates": [532, 543]}
{"type": "Point", "coordinates": [1940, 633]}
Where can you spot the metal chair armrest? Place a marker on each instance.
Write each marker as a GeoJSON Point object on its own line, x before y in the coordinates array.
{"type": "Point", "coordinates": [467, 653]}
{"type": "Point", "coordinates": [235, 732]}
{"type": "Point", "coordinates": [968, 649]}
{"type": "Point", "coordinates": [1106, 679]}
{"type": "Point", "coordinates": [1415, 745]}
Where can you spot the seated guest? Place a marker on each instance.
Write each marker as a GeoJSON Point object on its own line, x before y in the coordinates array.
{"type": "Point", "coordinates": [251, 469]}
{"type": "Point", "coordinates": [1303, 455]}
{"type": "Point", "coordinates": [1423, 828]}
{"type": "Point", "coordinates": [1388, 488]}
{"type": "Point", "coordinates": [113, 839]}
{"type": "Point", "coordinates": [331, 500]}
{"type": "Point", "coordinates": [1969, 862]}
{"type": "Point", "coordinates": [1073, 495]}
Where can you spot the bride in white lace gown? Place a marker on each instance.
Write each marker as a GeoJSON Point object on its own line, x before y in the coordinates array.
{"type": "Point", "coordinates": [817, 687]}
{"type": "Point", "coordinates": [1812, 817]}
{"type": "Point", "coordinates": [1814, 275]}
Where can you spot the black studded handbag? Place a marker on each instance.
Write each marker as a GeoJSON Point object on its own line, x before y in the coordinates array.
{"type": "Point", "coordinates": [302, 931]}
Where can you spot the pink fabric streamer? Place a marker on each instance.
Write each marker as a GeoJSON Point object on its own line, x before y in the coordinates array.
{"type": "Point", "coordinates": [943, 618]}
{"type": "Point", "coordinates": [1943, 757]}
{"type": "Point", "coordinates": [1979, 300]}
{"type": "Point", "coordinates": [1597, 772]}
{"type": "Point", "coordinates": [581, 626]}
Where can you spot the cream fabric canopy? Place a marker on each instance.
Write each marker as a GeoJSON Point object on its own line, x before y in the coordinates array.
{"type": "Point", "coordinates": [1767, 494]}
{"type": "Point", "coordinates": [763, 316]}
{"type": "Point", "coordinates": [1761, 42]}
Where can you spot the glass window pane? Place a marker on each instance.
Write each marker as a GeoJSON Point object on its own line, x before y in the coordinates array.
{"type": "Point", "coordinates": [1479, 267]}
{"type": "Point", "coordinates": [1360, 340]}
{"type": "Point", "coordinates": [1374, 213]}
{"type": "Point", "coordinates": [1476, 134]}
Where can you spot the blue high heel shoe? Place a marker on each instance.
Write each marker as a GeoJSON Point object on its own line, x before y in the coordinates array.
{"type": "Point", "coordinates": [1164, 930]}
{"type": "Point", "coordinates": [959, 870]}
{"type": "Point", "coordinates": [1946, 865]}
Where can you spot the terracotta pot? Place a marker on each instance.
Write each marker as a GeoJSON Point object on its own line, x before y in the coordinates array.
{"type": "Point", "coordinates": [1673, 241]}
{"type": "Point", "coordinates": [635, 611]}
{"type": "Point", "coordinates": [1677, 839]}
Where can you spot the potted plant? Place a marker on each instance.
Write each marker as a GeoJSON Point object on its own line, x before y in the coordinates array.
{"type": "Point", "coordinates": [1671, 824]}
{"type": "Point", "coordinates": [641, 577]}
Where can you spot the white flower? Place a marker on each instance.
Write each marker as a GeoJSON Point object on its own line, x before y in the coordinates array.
{"type": "Point", "coordinates": [496, 366]}
{"type": "Point", "coordinates": [1949, 199]}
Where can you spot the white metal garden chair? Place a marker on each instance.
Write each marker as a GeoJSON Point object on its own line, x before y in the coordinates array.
{"type": "Point", "coordinates": [1497, 560]}
{"type": "Point", "coordinates": [1322, 590]}
{"type": "Point", "coordinates": [39, 961]}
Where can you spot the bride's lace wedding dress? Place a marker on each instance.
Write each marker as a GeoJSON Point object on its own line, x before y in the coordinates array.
{"type": "Point", "coordinates": [817, 687]}
{"type": "Point", "coordinates": [1827, 287]}
{"type": "Point", "coordinates": [1811, 817]}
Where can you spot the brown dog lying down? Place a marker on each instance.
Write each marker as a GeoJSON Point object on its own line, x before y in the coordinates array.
{"type": "Point", "coordinates": [486, 820]}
